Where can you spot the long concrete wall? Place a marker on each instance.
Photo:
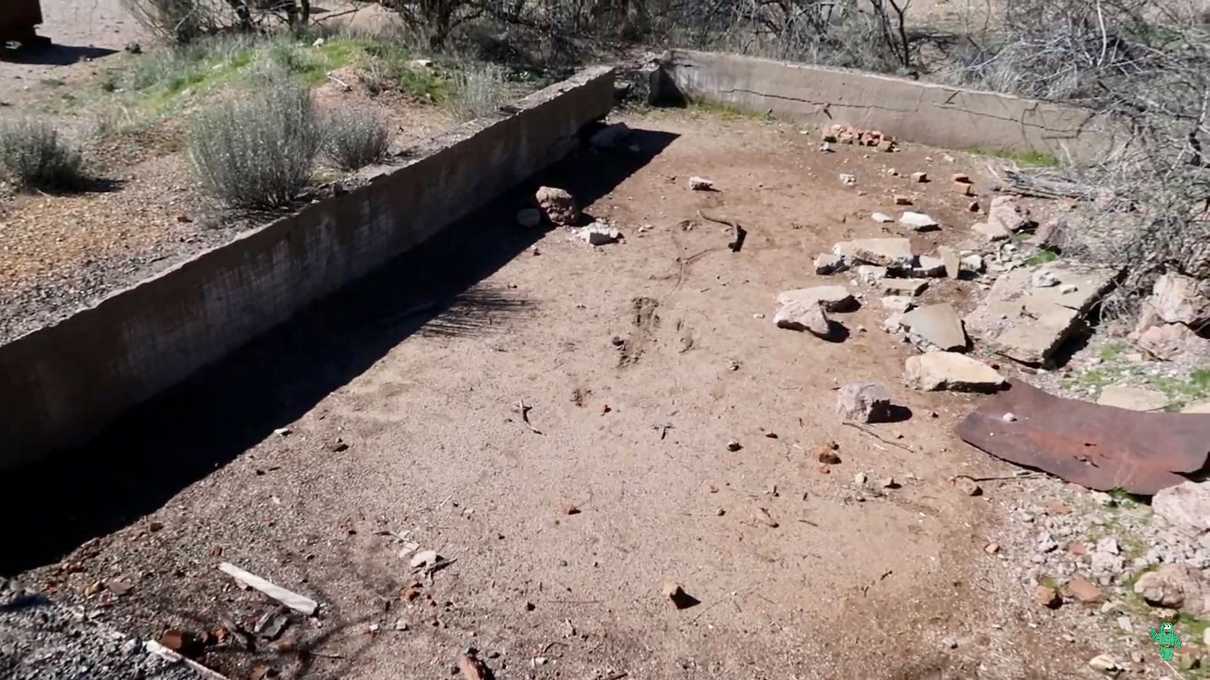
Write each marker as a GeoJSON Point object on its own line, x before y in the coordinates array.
{"type": "Point", "coordinates": [62, 384]}
{"type": "Point", "coordinates": [913, 111]}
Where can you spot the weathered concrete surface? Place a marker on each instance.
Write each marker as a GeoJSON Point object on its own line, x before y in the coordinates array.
{"type": "Point", "coordinates": [62, 384]}
{"type": "Point", "coordinates": [910, 110]}
{"type": "Point", "coordinates": [1029, 324]}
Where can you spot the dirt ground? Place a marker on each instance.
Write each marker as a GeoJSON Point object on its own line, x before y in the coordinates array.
{"type": "Point", "coordinates": [637, 363]}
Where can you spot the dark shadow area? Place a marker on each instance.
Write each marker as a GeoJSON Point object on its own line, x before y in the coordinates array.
{"type": "Point", "coordinates": [202, 424]}
{"type": "Point", "coordinates": [48, 54]}
{"type": "Point", "coordinates": [836, 332]}
{"type": "Point", "coordinates": [893, 414]}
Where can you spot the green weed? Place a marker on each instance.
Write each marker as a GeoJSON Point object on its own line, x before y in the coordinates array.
{"type": "Point", "coordinates": [1037, 159]}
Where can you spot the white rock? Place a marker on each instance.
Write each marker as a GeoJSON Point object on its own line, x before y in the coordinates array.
{"type": "Point", "coordinates": [909, 287]}
{"type": "Point", "coordinates": [1044, 278]}
{"type": "Point", "coordinates": [950, 261]}
{"type": "Point", "coordinates": [1184, 506]}
{"type": "Point", "coordinates": [1133, 398]}
{"type": "Point", "coordinates": [950, 371]}
{"type": "Point", "coordinates": [863, 402]}
{"type": "Point", "coordinates": [993, 232]}
{"type": "Point", "coordinates": [598, 234]}
{"type": "Point", "coordinates": [830, 263]}
{"type": "Point", "coordinates": [918, 221]}
{"type": "Point", "coordinates": [973, 263]}
{"type": "Point", "coordinates": [882, 218]}
{"type": "Point", "coordinates": [701, 184]}
{"type": "Point", "coordinates": [936, 327]}
{"type": "Point", "coordinates": [848, 180]}
{"type": "Point", "coordinates": [424, 558]}
{"type": "Point", "coordinates": [870, 275]}
{"type": "Point", "coordinates": [831, 298]}
{"type": "Point", "coordinates": [803, 315]}
{"type": "Point", "coordinates": [558, 205]}
{"type": "Point", "coordinates": [932, 266]}
{"type": "Point", "coordinates": [884, 252]}
{"type": "Point", "coordinates": [1104, 664]}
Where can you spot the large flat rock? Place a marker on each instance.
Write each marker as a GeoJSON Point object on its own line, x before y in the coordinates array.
{"type": "Point", "coordinates": [831, 298]}
{"type": "Point", "coordinates": [1028, 323]}
{"type": "Point", "coordinates": [935, 327]}
{"type": "Point", "coordinates": [950, 371]}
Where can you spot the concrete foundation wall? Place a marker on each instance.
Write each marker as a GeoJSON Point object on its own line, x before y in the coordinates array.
{"type": "Point", "coordinates": [913, 111]}
{"type": "Point", "coordinates": [62, 384]}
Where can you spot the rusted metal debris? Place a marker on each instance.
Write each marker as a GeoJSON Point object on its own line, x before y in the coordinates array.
{"type": "Point", "coordinates": [1100, 447]}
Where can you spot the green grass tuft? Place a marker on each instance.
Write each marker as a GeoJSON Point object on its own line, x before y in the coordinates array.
{"type": "Point", "coordinates": [1037, 159]}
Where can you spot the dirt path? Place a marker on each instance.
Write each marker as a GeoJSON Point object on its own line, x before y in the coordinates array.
{"type": "Point", "coordinates": [400, 400]}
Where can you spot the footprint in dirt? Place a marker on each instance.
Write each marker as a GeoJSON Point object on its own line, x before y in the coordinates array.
{"type": "Point", "coordinates": [645, 321]}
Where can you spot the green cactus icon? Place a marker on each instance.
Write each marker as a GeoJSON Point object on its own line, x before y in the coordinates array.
{"type": "Point", "coordinates": [1167, 640]}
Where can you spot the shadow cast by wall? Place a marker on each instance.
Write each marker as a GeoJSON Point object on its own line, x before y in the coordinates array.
{"type": "Point", "coordinates": [180, 437]}
{"type": "Point", "coordinates": [53, 55]}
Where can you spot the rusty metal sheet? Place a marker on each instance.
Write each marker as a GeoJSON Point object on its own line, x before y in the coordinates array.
{"type": "Point", "coordinates": [1100, 447]}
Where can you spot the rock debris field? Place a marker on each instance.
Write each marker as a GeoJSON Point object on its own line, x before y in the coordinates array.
{"type": "Point", "coordinates": [683, 407]}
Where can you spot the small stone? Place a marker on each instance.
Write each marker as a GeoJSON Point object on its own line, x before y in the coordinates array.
{"type": "Point", "coordinates": [950, 371]}
{"type": "Point", "coordinates": [1007, 213]}
{"type": "Point", "coordinates": [888, 483]}
{"type": "Point", "coordinates": [337, 445]}
{"type": "Point", "coordinates": [1045, 596]}
{"type": "Point", "coordinates": [848, 180]}
{"type": "Point", "coordinates": [1185, 506]}
{"type": "Point", "coordinates": [424, 559]}
{"type": "Point", "coordinates": [932, 266]}
{"type": "Point", "coordinates": [571, 510]}
{"type": "Point", "coordinates": [830, 263]}
{"type": "Point", "coordinates": [701, 184]}
{"type": "Point", "coordinates": [949, 642]}
{"type": "Point", "coordinates": [968, 486]}
{"type": "Point", "coordinates": [598, 234]}
{"type": "Point", "coordinates": [920, 177]}
{"type": "Point", "coordinates": [825, 147]}
{"type": "Point", "coordinates": [529, 217]}
{"type": "Point", "coordinates": [973, 206]}
{"type": "Point", "coordinates": [897, 303]}
{"type": "Point", "coordinates": [676, 593]}
{"type": "Point", "coordinates": [863, 402]}
{"type": "Point", "coordinates": [558, 205]}
{"type": "Point", "coordinates": [964, 189]}
{"type": "Point", "coordinates": [882, 218]}
{"type": "Point", "coordinates": [1068, 289]}
{"type": "Point", "coordinates": [830, 298]}
{"type": "Point", "coordinates": [1104, 664]}
{"type": "Point", "coordinates": [860, 479]}
{"type": "Point", "coordinates": [960, 178]}
{"type": "Point", "coordinates": [973, 264]}
{"type": "Point", "coordinates": [1009, 417]}
{"type": "Point", "coordinates": [991, 548]}
{"type": "Point", "coordinates": [734, 446]}
{"type": "Point", "coordinates": [1044, 278]}
{"type": "Point", "coordinates": [401, 624]}
{"type": "Point", "coordinates": [869, 274]}
{"type": "Point", "coordinates": [827, 453]}
{"type": "Point", "coordinates": [1125, 624]}
{"type": "Point", "coordinates": [800, 315]}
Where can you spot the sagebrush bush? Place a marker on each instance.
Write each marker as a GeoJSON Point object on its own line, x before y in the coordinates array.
{"type": "Point", "coordinates": [33, 154]}
{"type": "Point", "coordinates": [479, 90]}
{"type": "Point", "coordinates": [355, 138]}
{"type": "Point", "coordinates": [257, 151]}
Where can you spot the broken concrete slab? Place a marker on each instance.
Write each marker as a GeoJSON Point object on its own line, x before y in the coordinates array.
{"type": "Point", "coordinates": [909, 287]}
{"type": "Point", "coordinates": [918, 221]}
{"type": "Point", "coordinates": [991, 231]}
{"type": "Point", "coordinates": [1133, 398]}
{"type": "Point", "coordinates": [1009, 214]}
{"type": "Point", "coordinates": [1185, 506]}
{"type": "Point", "coordinates": [897, 303]}
{"type": "Point", "coordinates": [864, 402]}
{"type": "Point", "coordinates": [831, 298]}
{"type": "Point", "coordinates": [930, 266]}
{"type": "Point", "coordinates": [933, 371]}
{"type": "Point", "coordinates": [1100, 447]}
{"type": "Point", "coordinates": [830, 263]}
{"type": "Point", "coordinates": [935, 327]}
{"type": "Point", "coordinates": [803, 315]}
{"type": "Point", "coordinates": [884, 252]}
{"type": "Point", "coordinates": [950, 261]}
{"type": "Point", "coordinates": [870, 275]}
{"type": "Point", "coordinates": [1029, 324]}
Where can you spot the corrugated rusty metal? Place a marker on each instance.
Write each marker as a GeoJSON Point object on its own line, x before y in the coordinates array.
{"type": "Point", "coordinates": [1100, 447]}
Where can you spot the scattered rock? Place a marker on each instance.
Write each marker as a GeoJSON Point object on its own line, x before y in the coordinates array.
{"type": "Point", "coordinates": [701, 184]}
{"type": "Point", "coordinates": [882, 218]}
{"type": "Point", "coordinates": [864, 402]}
{"type": "Point", "coordinates": [884, 252]}
{"type": "Point", "coordinates": [830, 263]}
{"type": "Point", "coordinates": [898, 303]}
{"type": "Point", "coordinates": [1084, 591]}
{"type": "Point", "coordinates": [529, 217]}
{"type": "Point", "coordinates": [968, 487]}
{"type": "Point", "coordinates": [1044, 278]}
{"type": "Point", "coordinates": [848, 180]}
{"type": "Point", "coordinates": [1052, 235]}
{"type": "Point", "coordinates": [1007, 213]}
{"type": "Point", "coordinates": [960, 178]}
{"type": "Point", "coordinates": [918, 221]}
{"type": "Point", "coordinates": [993, 232]}
{"type": "Point", "coordinates": [888, 483]}
{"type": "Point", "coordinates": [990, 548]}
{"type": "Point", "coordinates": [935, 327]}
{"type": "Point", "coordinates": [909, 287]}
{"type": "Point", "coordinates": [182, 642]}
{"type": "Point", "coordinates": [803, 315]}
{"type": "Point", "coordinates": [903, 200]}
{"type": "Point", "coordinates": [964, 189]}
{"type": "Point", "coordinates": [949, 642]}
{"type": "Point", "coordinates": [610, 136]}
{"type": "Point", "coordinates": [1133, 398]}
{"type": "Point", "coordinates": [831, 298]}
{"type": "Point", "coordinates": [424, 559]}
{"type": "Point", "coordinates": [1104, 664]}
{"type": "Point", "coordinates": [950, 261]}
{"type": "Point", "coordinates": [1171, 341]}
{"type": "Point", "coordinates": [1184, 506]}
{"type": "Point", "coordinates": [973, 264]}
{"type": "Point", "coordinates": [920, 177]}
{"type": "Point", "coordinates": [973, 206]}
{"type": "Point", "coordinates": [1045, 596]}
{"type": "Point", "coordinates": [932, 266]}
{"type": "Point", "coordinates": [1181, 299]}
{"type": "Point", "coordinates": [734, 446]}
{"type": "Point", "coordinates": [337, 445]}
{"type": "Point", "coordinates": [1174, 587]}
{"type": "Point", "coordinates": [558, 205]}
{"type": "Point", "coordinates": [677, 595]}
{"type": "Point", "coordinates": [950, 371]}
{"type": "Point", "coordinates": [869, 274]}
{"type": "Point", "coordinates": [598, 234]}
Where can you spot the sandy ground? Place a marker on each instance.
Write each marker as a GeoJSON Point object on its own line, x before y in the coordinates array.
{"type": "Point", "coordinates": [639, 361]}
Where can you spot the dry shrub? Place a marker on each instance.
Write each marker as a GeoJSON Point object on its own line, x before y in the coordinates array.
{"type": "Point", "coordinates": [355, 138]}
{"type": "Point", "coordinates": [34, 155]}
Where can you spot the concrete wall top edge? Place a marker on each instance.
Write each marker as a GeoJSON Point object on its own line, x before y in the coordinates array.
{"type": "Point", "coordinates": [436, 144]}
